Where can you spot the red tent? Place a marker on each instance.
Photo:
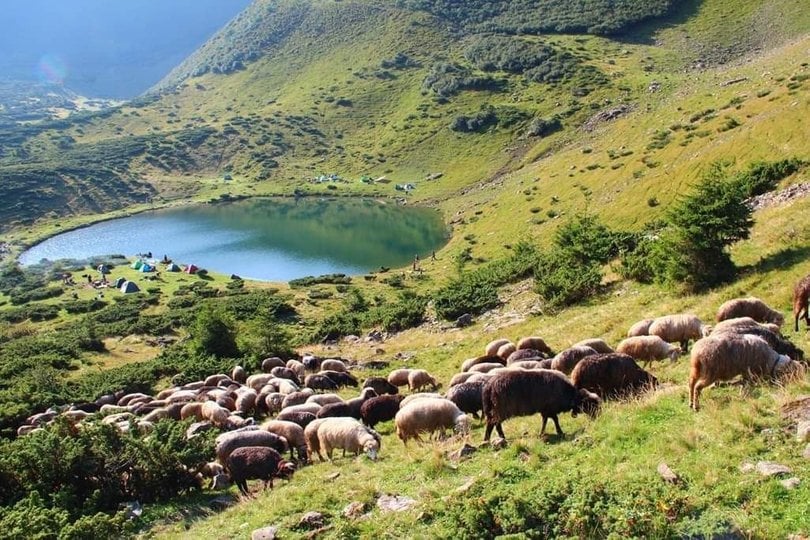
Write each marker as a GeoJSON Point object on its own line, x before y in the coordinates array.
{"type": "Point", "coordinates": [191, 269]}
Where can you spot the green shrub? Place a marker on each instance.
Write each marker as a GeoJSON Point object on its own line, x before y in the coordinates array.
{"type": "Point", "coordinates": [324, 279]}
{"type": "Point", "coordinates": [213, 333]}
{"type": "Point", "coordinates": [407, 312]}
{"type": "Point", "coordinates": [763, 176]}
{"type": "Point", "coordinates": [562, 278]}
{"type": "Point", "coordinates": [470, 293]}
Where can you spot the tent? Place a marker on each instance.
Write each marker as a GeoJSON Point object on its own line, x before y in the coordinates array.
{"type": "Point", "coordinates": [191, 269]}
{"type": "Point", "coordinates": [137, 264]}
{"type": "Point", "coordinates": [103, 268]}
{"type": "Point", "coordinates": [147, 268]}
{"type": "Point", "coordinates": [120, 281]}
{"type": "Point", "coordinates": [172, 268]}
{"type": "Point", "coordinates": [129, 287]}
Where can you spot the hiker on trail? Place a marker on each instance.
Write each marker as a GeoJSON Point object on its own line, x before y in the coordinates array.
{"type": "Point", "coordinates": [433, 255]}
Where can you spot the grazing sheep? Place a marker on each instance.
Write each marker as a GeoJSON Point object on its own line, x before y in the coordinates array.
{"type": "Point", "coordinates": [320, 382]}
{"type": "Point", "coordinates": [274, 402]}
{"type": "Point", "coordinates": [381, 386]}
{"type": "Point", "coordinates": [597, 344]}
{"type": "Point", "coordinates": [331, 364]}
{"type": "Point", "coordinates": [238, 374]}
{"type": "Point", "coordinates": [257, 463]}
{"type": "Point", "coordinates": [304, 407]}
{"type": "Point", "coordinates": [741, 323]}
{"type": "Point", "coordinates": [801, 299]}
{"type": "Point", "coordinates": [284, 373]}
{"type": "Point", "coordinates": [153, 416]}
{"type": "Point", "coordinates": [246, 400]}
{"type": "Point", "coordinates": [349, 435]}
{"type": "Point", "coordinates": [324, 399]}
{"type": "Point", "coordinates": [428, 416]}
{"type": "Point", "coordinates": [641, 328]}
{"type": "Point", "coordinates": [679, 328]}
{"type": "Point", "coordinates": [525, 354]}
{"type": "Point", "coordinates": [163, 394]}
{"type": "Point", "coordinates": [476, 377]}
{"type": "Point", "coordinates": [723, 357]}
{"type": "Point", "coordinates": [524, 393]}
{"type": "Point", "coordinates": [191, 410]}
{"type": "Point", "coordinates": [292, 432]}
{"type": "Point", "coordinates": [749, 307]}
{"type": "Point", "coordinates": [349, 408]}
{"type": "Point", "coordinates": [419, 379]}
{"type": "Point", "coordinates": [301, 418]}
{"type": "Point", "coordinates": [611, 375]}
{"type": "Point", "coordinates": [297, 368]}
{"type": "Point", "coordinates": [467, 397]}
{"type": "Point", "coordinates": [297, 398]}
{"type": "Point", "coordinates": [459, 378]}
{"type": "Point", "coordinates": [258, 380]}
{"type": "Point", "coordinates": [537, 343]}
{"type": "Point", "coordinates": [286, 386]}
{"type": "Point", "coordinates": [227, 402]}
{"type": "Point", "coordinates": [468, 364]}
{"type": "Point", "coordinates": [505, 350]}
{"type": "Point", "coordinates": [399, 377]}
{"type": "Point", "coordinates": [648, 348]}
{"type": "Point", "coordinates": [566, 360]}
{"type": "Point", "coordinates": [214, 380]}
{"type": "Point", "coordinates": [269, 363]}
{"type": "Point", "coordinates": [492, 347]}
{"type": "Point", "coordinates": [778, 343]}
{"type": "Point", "coordinates": [380, 409]}
{"type": "Point", "coordinates": [173, 410]}
{"type": "Point", "coordinates": [230, 441]}
{"type": "Point", "coordinates": [124, 401]}
{"type": "Point", "coordinates": [341, 378]}
{"type": "Point", "coordinates": [420, 395]}
{"type": "Point", "coordinates": [533, 364]}
{"type": "Point", "coordinates": [216, 414]}
{"type": "Point", "coordinates": [311, 438]}
{"type": "Point", "coordinates": [485, 367]}
{"type": "Point", "coordinates": [311, 363]}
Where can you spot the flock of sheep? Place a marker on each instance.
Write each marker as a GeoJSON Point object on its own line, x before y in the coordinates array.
{"type": "Point", "coordinates": [306, 417]}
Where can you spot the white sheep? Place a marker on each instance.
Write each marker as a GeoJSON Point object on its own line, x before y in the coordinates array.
{"type": "Point", "coordinates": [428, 416]}
{"type": "Point", "coordinates": [349, 435]}
{"type": "Point", "coordinates": [324, 399]}
{"type": "Point", "coordinates": [420, 395]}
{"type": "Point", "coordinates": [330, 364]}
{"type": "Point", "coordinates": [680, 328]}
{"type": "Point", "coordinates": [419, 378]}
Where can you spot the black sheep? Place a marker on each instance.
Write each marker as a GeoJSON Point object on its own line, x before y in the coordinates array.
{"type": "Point", "coordinates": [285, 373]}
{"type": "Point", "coordinates": [320, 382]}
{"type": "Point", "coordinates": [380, 385]}
{"type": "Point", "coordinates": [612, 375]}
{"type": "Point", "coordinates": [525, 354]}
{"type": "Point", "coordinates": [524, 393]}
{"type": "Point", "coordinates": [380, 409]}
{"type": "Point", "coordinates": [340, 378]}
{"type": "Point", "coordinates": [778, 343]}
{"type": "Point", "coordinates": [301, 418]}
{"type": "Point", "coordinates": [349, 408]}
{"type": "Point", "coordinates": [259, 463]}
{"type": "Point", "coordinates": [467, 397]}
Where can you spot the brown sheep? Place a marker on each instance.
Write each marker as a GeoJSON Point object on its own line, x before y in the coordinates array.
{"type": "Point", "coordinates": [331, 364]}
{"type": "Point", "coordinates": [566, 360]}
{"type": "Point", "coordinates": [230, 441]}
{"type": "Point", "coordinates": [293, 433]}
{"type": "Point", "coordinates": [641, 328]}
{"type": "Point", "coordinates": [467, 397]}
{"type": "Point", "coordinates": [259, 463]}
{"type": "Point", "coordinates": [349, 408]}
{"type": "Point", "coordinates": [525, 354]}
{"type": "Point", "coordinates": [272, 362]}
{"type": "Point", "coordinates": [801, 299]}
{"type": "Point", "coordinates": [612, 375]}
{"type": "Point", "coordinates": [723, 357]}
{"type": "Point", "coordinates": [470, 362]}
{"type": "Point", "coordinates": [524, 393]}
{"type": "Point", "coordinates": [648, 348]}
{"type": "Point", "coordinates": [399, 377]}
{"type": "Point", "coordinates": [680, 328]}
{"type": "Point", "coordinates": [238, 374]}
{"type": "Point", "coordinates": [537, 343]}
{"type": "Point", "coordinates": [505, 350]}
{"type": "Point", "coordinates": [302, 418]}
{"type": "Point", "coordinates": [459, 378]}
{"type": "Point", "coordinates": [381, 386]}
{"type": "Point", "coordinates": [597, 344]}
{"type": "Point", "coordinates": [749, 307]}
{"type": "Point", "coordinates": [492, 347]}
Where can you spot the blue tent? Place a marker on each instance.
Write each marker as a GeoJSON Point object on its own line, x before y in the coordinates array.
{"type": "Point", "coordinates": [129, 287]}
{"type": "Point", "coordinates": [147, 267]}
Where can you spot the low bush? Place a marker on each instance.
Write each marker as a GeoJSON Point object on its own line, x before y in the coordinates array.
{"type": "Point", "coordinates": [562, 278]}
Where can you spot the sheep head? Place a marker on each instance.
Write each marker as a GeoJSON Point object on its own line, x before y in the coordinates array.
{"type": "Point", "coordinates": [586, 402]}
{"type": "Point", "coordinates": [462, 424]}
{"type": "Point", "coordinates": [788, 369]}
{"type": "Point", "coordinates": [706, 330]}
{"type": "Point", "coordinates": [285, 469]}
{"type": "Point", "coordinates": [371, 447]}
{"type": "Point", "coordinates": [777, 319]}
{"type": "Point", "coordinates": [675, 353]}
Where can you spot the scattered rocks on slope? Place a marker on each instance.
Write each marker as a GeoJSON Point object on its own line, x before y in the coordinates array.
{"type": "Point", "coordinates": [606, 116]}
{"type": "Point", "coordinates": [312, 520]}
{"type": "Point", "coordinates": [463, 452]}
{"type": "Point", "coordinates": [354, 510]}
{"type": "Point", "coordinates": [771, 468]}
{"type": "Point", "coordinates": [774, 198]}
{"type": "Point", "coordinates": [790, 483]}
{"type": "Point", "coordinates": [803, 431]}
{"type": "Point", "coordinates": [395, 503]}
{"type": "Point", "coordinates": [265, 533]}
{"type": "Point", "coordinates": [668, 474]}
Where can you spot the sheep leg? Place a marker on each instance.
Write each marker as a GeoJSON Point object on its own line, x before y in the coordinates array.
{"type": "Point", "coordinates": [242, 485]}
{"type": "Point", "coordinates": [499, 429]}
{"type": "Point", "coordinates": [697, 388]}
{"type": "Point", "coordinates": [557, 425]}
{"type": "Point", "coordinates": [488, 431]}
{"type": "Point", "coordinates": [543, 427]}
{"type": "Point", "coordinates": [685, 346]}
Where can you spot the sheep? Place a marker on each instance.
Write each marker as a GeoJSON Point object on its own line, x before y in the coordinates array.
{"type": "Point", "coordinates": [230, 441]}
{"type": "Point", "coordinates": [297, 398]}
{"type": "Point", "coordinates": [611, 375]}
{"type": "Point", "coordinates": [311, 363]}
{"type": "Point", "coordinates": [524, 354]}
{"type": "Point", "coordinates": [324, 399]}
{"type": "Point", "coordinates": [381, 385]}
{"type": "Point", "coordinates": [246, 400]}
{"type": "Point", "coordinates": [154, 416]}
{"type": "Point", "coordinates": [215, 471]}
{"type": "Point", "coordinates": [429, 415]}
{"type": "Point", "coordinates": [349, 435]}
{"type": "Point", "coordinates": [191, 410]}
{"type": "Point", "coordinates": [468, 364]}
{"type": "Point", "coordinates": [597, 344]}
{"type": "Point", "coordinates": [216, 414]}
{"type": "Point", "coordinates": [320, 382]}
{"type": "Point", "coordinates": [524, 393]}
{"type": "Point", "coordinates": [380, 409]}
{"type": "Point", "coordinates": [420, 395]}
{"type": "Point", "coordinates": [257, 462]}
{"type": "Point", "coordinates": [269, 363]}
{"type": "Point", "coordinates": [419, 378]}
{"type": "Point", "coordinates": [723, 357]}
{"type": "Point", "coordinates": [274, 402]}
{"type": "Point", "coordinates": [679, 328]}
{"type": "Point", "coordinates": [536, 343]}
{"type": "Point", "coordinates": [534, 364]}
{"type": "Point", "coordinates": [399, 377]}
{"type": "Point", "coordinates": [284, 373]}
{"type": "Point", "coordinates": [641, 328]}
{"type": "Point", "coordinates": [566, 360]}
{"type": "Point", "coordinates": [292, 432]}
{"type": "Point", "coordinates": [301, 418]}
{"type": "Point", "coordinates": [492, 347]}
{"type": "Point", "coordinates": [485, 367]}
{"type": "Point", "coordinates": [227, 402]}
{"type": "Point", "coordinates": [648, 348]}
{"type": "Point", "coordinates": [297, 368]}
{"type": "Point", "coordinates": [341, 378]}
{"type": "Point", "coordinates": [505, 350]}
{"type": "Point", "coordinates": [258, 380]}
{"type": "Point", "coordinates": [801, 299]}
{"type": "Point", "coordinates": [749, 307]}
{"type": "Point", "coordinates": [350, 408]}
{"type": "Point", "coordinates": [479, 377]}
{"type": "Point", "coordinates": [213, 380]}
{"type": "Point", "coordinates": [124, 401]}
{"type": "Point", "coordinates": [467, 397]}
{"type": "Point", "coordinates": [196, 385]}
{"type": "Point", "coordinates": [303, 407]}
{"type": "Point", "coordinates": [777, 342]}
{"type": "Point", "coordinates": [741, 323]}
{"type": "Point", "coordinates": [163, 394]}
{"type": "Point", "coordinates": [238, 374]}
{"type": "Point", "coordinates": [331, 364]}
{"type": "Point", "coordinates": [459, 378]}
{"type": "Point", "coordinates": [286, 386]}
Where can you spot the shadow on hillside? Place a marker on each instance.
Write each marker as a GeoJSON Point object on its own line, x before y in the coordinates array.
{"type": "Point", "coordinates": [643, 33]}
{"type": "Point", "coordinates": [783, 259]}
